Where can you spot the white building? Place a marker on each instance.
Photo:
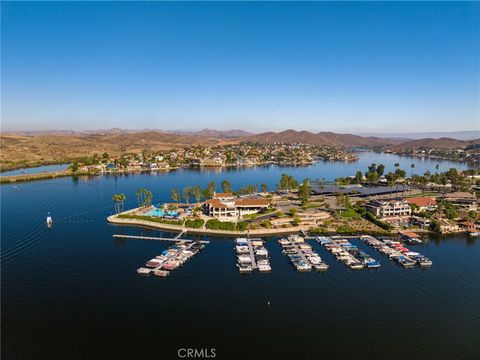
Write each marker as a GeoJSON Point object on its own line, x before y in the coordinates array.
{"type": "Point", "coordinates": [225, 206]}
{"type": "Point", "coordinates": [389, 208]}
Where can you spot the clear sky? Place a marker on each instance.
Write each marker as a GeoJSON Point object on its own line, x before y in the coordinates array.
{"type": "Point", "coordinates": [346, 67]}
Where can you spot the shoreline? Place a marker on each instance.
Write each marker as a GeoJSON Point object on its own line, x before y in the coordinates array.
{"type": "Point", "coordinates": [115, 220]}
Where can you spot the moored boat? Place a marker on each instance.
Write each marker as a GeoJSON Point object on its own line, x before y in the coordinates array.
{"type": "Point", "coordinates": [143, 271]}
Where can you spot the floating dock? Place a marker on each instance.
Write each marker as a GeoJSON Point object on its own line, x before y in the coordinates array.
{"type": "Point", "coordinates": [176, 238]}
{"type": "Point", "coordinates": [252, 255]}
{"type": "Point", "coordinates": [301, 255]}
{"type": "Point", "coordinates": [397, 252]}
{"type": "Point", "coordinates": [348, 253]}
{"type": "Point", "coordinates": [171, 258]}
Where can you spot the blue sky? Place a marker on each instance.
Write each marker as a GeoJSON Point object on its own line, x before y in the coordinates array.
{"type": "Point", "coordinates": [346, 67]}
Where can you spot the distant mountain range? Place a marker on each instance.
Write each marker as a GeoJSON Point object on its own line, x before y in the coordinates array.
{"type": "Point", "coordinates": [321, 138]}
{"type": "Point", "coordinates": [442, 143]}
{"type": "Point", "coordinates": [458, 135]}
{"type": "Point", "coordinates": [214, 133]}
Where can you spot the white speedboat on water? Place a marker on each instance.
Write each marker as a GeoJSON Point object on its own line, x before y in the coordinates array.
{"type": "Point", "coordinates": [49, 220]}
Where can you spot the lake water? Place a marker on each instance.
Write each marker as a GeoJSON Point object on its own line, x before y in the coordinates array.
{"type": "Point", "coordinates": [71, 292]}
{"type": "Point", "coordinates": [36, 170]}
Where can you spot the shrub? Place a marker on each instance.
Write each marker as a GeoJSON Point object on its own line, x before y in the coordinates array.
{"type": "Point", "coordinates": [345, 229]}
{"type": "Point", "coordinates": [242, 225]}
{"type": "Point", "coordinates": [194, 223]}
{"type": "Point", "coordinates": [151, 218]}
{"type": "Point", "coordinates": [266, 224]}
{"type": "Point", "coordinates": [370, 217]}
{"type": "Point", "coordinates": [214, 224]}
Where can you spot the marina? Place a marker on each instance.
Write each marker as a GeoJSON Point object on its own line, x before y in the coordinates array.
{"type": "Point", "coordinates": [171, 258]}
{"type": "Point", "coordinates": [301, 255]}
{"type": "Point", "coordinates": [252, 255]}
{"type": "Point", "coordinates": [348, 254]}
{"type": "Point", "coordinates": [397, 252]}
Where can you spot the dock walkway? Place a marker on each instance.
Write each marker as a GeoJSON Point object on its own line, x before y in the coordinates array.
{"type": "Point", "coordinates": [137, 237]}
{"type": "Point", "coordinates": [252, 254]}
{"type": "Point", "coordinates": [300, 252]}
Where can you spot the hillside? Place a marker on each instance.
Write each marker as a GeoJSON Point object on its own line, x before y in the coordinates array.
{"type": "Point", "coordinates": [20, 149]}
{"type": "Point", "coordinates": [429, 143]}
{"type": "Point", "coordinates": [43, 149]}
{"type": "Point", "coordinates": [321, 138]}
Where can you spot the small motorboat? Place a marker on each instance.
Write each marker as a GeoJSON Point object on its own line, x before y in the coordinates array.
{"type": "Point", "coordinates": [49, 220]}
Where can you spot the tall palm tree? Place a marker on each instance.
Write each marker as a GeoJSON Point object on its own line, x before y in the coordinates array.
{"type": "Point", "coordinates": [197, 193]}
{"type": "Point", "coordinates": [175, 195]}
{"type": "Point", "coordinates": [187, 192]}
{"type": "Point", "coordinates": [119, 200]}
{"type": "Point", "coordinates": [413, 167]}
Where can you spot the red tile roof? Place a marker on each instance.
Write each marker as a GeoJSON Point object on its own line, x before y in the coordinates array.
{"type": "Point", "coordinates": [216, 203]}
{"type": "Point", "coordinates": [222, 195]}
{"type": "Point", "coordinates": [252, 202]}
{"type": "Point", "coordinates": [422, 201]}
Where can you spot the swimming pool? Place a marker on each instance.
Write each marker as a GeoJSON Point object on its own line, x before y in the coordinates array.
{"type": "Point", "coordinates": [160, 213]}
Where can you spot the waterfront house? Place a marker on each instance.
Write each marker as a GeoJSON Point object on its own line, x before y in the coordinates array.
{"type": "Point", "coordinates": [225, 206]}
{"type": "Point", "coordinates": [389, 208]}
{"type": "Point", "coordinates": [468, 226]}
{"type": "Point", "coordinates": [423, 203]}
{"type": "Point", "coordinates": [464, 200]}
{"type": "Point", "coordinates": [422, 222]}
{"type": "Point", "coordinates": [448, 226]}
{"type": "Point", "coordinates": [92, 168]}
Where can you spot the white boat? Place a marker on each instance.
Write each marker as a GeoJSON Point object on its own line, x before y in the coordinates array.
{"type": "Point", "coordinates": [49, 220]}
{"type": "Point", "coordinates": [474, 233]}
{"type": "Point", "coordinates": [143, 271]}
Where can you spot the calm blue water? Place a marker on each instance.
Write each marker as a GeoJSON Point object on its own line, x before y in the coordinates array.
{"type": "Point", "coordinates": [36, 170]}
{"type": "Point", "coordinates": [71, 292]}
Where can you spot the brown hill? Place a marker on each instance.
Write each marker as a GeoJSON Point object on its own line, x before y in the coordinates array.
{"type": "Point", "coordinates": [429, 143]}
{"type": "Point", "coordinates": [42, 149]}
{"type": "Point", "coordinates": [321, 138]}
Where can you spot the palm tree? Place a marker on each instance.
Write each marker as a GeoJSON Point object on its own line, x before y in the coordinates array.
{"type": "Point", "coordinates": [147, 197]}
{"type": "Point", "coordinates": [197, 193]}
{"type": "Point", "coordinates": [436, 168]}
{"type": "Point", "coordinates": [175, 195]}
{"type": "Point", "coordinates": [413, 167]}
{"type": "Point", "coordinates": [138, 195]}
{"type": "Point", "coordinates": [264, 188]}
{"type": "Point", "coordinates": [187, 193]}
{"type": "Point", "coordinates": [118, 200]}
{"type": "Point", "coordinates": [226, 186]}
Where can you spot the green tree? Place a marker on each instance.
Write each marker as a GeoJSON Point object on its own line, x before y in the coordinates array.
{"type": "Point", "coordinates": [264, 187]}
{"type": "Point", "coordinates": [210, 190]}
{"type": "Point", "coordinates": [187, 193]}
{"type": "Point", "coordinates": [304, 191]}
{"type": "Point", "coordinates": [226, 186]}
{"type": "Point", "coordinates": [435, 226]}
{"type": "Point", "coordinates": [197, 193]}
{"type": "Point", "coordinates": [358, 177]}
{"type": "Point", "coordinates": [380, 169]}
{"type": "Point", "coordinates": [105, 155]}
{"type": "Point", "coordinates": [296, 220]}
{"type": "Point", "coordinates": [119, 200]}
{"type": "Point", "coordinates": [74, 166]}
{"type": "Point", "coordinates": [372, 168]}
{"type": "Point", "coordinates": [175, 195]}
